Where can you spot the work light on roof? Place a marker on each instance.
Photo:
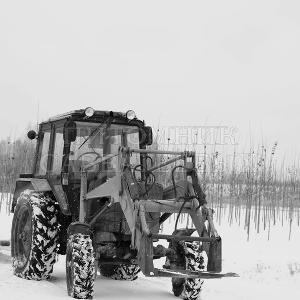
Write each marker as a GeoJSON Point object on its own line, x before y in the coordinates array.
{"type": "Point", "coordinates": [130, 114]}
{"type": "Point", "coordinates": [89, 112]}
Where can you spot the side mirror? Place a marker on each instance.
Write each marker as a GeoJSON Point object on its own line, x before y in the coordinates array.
{"type": "Point", "coordinates": [31, 134]}
{"type": "Point", "coordinates": [70, 132]}
{"type": "Point", "coordinates": [149, 135]}
{"type": "Point", "coordinates": [146, 137]}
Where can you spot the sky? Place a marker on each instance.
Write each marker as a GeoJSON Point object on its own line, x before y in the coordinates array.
{"type": "Point", "coordinates": [227, 63]}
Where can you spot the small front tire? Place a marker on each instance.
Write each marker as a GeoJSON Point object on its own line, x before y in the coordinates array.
{"type": "Point", "coordinates": [80, 266]}
{"type": "Point", "coordinates": [191, 259]}
{"type": "Point", "coordinates": [120, 272]}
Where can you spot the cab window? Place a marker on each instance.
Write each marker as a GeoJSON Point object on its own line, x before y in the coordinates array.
{"type": "Point", "coordinates": [43, 153]}
{"type": "Point", "coordinates": [85, 150]}
{"type": "Point", "coordinates": [58, 150]}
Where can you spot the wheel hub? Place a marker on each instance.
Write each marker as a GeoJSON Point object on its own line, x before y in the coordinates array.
{"type": "Point", "coordinates": [23, 242]}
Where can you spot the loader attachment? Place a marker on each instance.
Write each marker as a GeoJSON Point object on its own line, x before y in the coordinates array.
{"type": "Point", "coordinates": [184, 197]}
{"type": "Point", "coordinates": [145, 258]}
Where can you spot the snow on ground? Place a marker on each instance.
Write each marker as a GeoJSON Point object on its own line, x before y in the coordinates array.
{"type": "Point", "coordinates": [267, 269]}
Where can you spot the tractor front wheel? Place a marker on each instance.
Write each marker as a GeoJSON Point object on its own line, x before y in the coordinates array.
{"type": "Point", "coordinates": [191, 259]}
{"type": "Point", "coordinates": [80, 266]}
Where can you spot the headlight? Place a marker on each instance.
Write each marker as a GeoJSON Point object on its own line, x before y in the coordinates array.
{"type": "Point", "coordinates": [89, 112]}
{"type": "Point", "coordinates": [130, 114]}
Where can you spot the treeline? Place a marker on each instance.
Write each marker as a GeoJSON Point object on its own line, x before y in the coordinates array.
{"type": "Point", "coordinates": [256, 189]}
{"type": "Point", "coordinates": [254, 181]}
{"type": "Point", "coordinates": [16, 156]}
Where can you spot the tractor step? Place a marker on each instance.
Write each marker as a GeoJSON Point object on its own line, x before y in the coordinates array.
{"type": "Point", "coordinates": [191, 274]}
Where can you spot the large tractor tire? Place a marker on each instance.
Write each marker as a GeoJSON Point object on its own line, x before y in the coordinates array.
{"type": "Point", "coordinates": [80, 266]}
{"type": "Point", "coordinates": [34, 236]}
{"type": "Point", "coordinates": [191, 259]}
{"type": "Point", "coordinates": [120, 272]}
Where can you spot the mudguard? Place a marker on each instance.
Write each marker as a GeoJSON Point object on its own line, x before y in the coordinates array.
{"type": "Point", "coordinates": [22, 184]}
{"type": "Point", "coordinates": [41, 185]}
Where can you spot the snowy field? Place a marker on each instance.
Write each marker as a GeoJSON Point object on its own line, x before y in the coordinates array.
{"type": "Point", "coordinates": [267, 269]}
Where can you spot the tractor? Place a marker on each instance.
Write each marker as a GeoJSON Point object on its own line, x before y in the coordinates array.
{"type": "Point", "coordinates": [95, 195]}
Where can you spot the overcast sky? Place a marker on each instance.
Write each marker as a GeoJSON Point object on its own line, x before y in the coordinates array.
{"type": "Point", "coordinates": [193, 63]}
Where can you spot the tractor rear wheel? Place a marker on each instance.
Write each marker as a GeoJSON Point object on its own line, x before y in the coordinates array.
{"type": "Point", "coordinates": [120, 272]}
{"type": "Point", "coordinates": [34, 236]}
{"type": "Point", "coordinates": [80, 266]}
{"type": "Point", "coordinates": [191, 259]}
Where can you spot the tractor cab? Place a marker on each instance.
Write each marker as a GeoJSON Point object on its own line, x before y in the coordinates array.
{"type": "Point", "coordinates": [68, 142]}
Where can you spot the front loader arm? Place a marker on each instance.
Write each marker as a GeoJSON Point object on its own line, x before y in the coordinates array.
{"type": "Point", "coordinates": [124, 188]}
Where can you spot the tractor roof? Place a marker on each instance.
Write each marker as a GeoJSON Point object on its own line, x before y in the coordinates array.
{"type": "Point", "coordinates": [80, 113]}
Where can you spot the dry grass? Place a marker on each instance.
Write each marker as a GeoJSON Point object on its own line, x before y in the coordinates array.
{"type": "Point", "coordinates": [16, 156]}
